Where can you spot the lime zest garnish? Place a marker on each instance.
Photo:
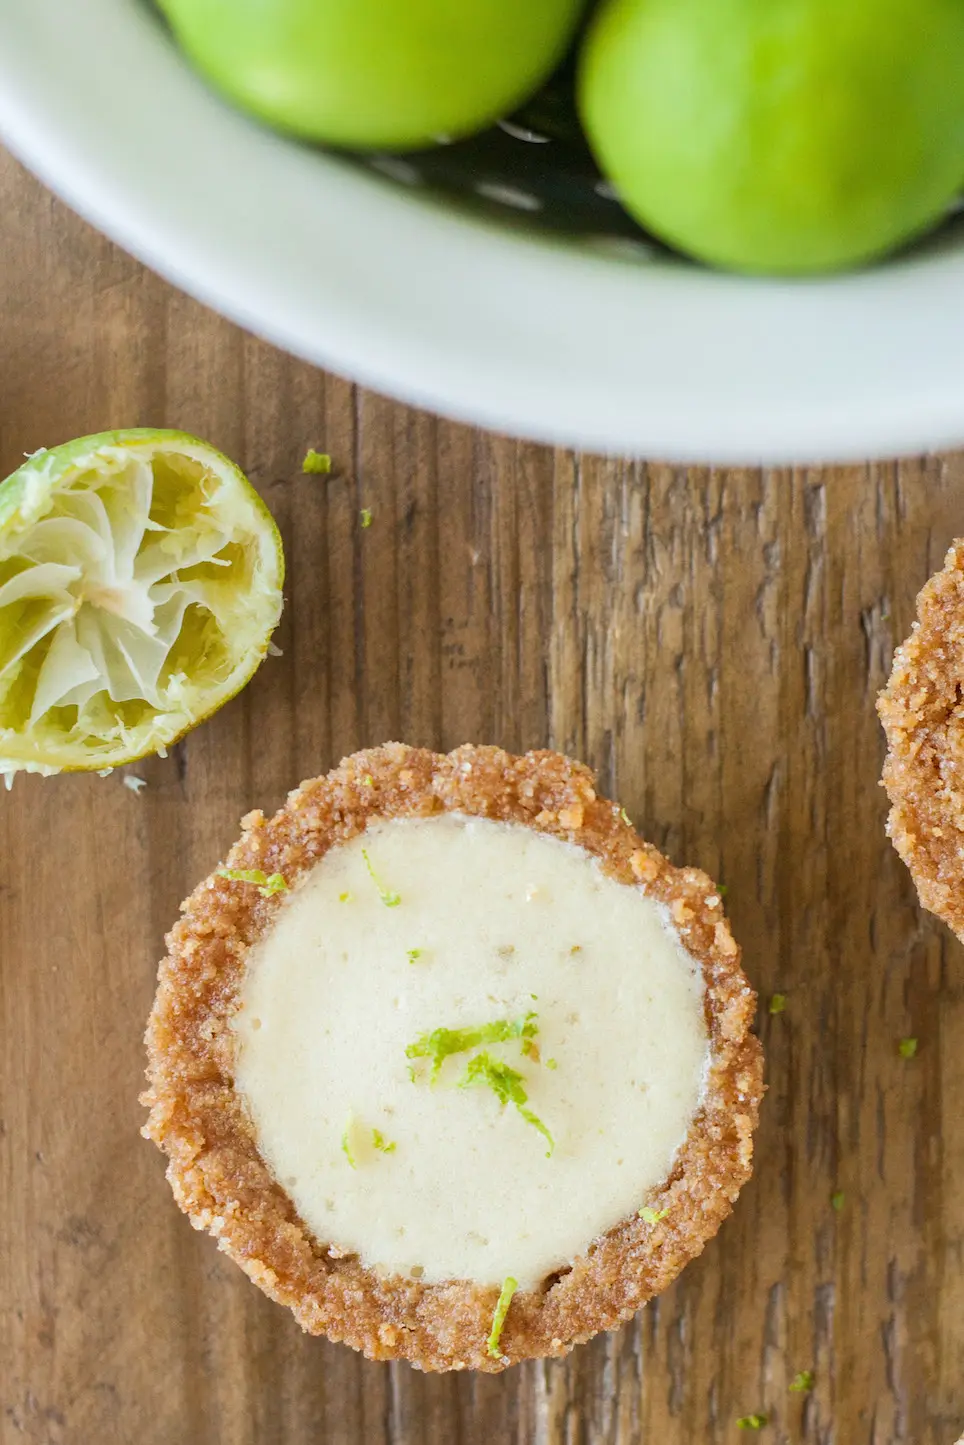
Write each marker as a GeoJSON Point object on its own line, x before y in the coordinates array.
{"type": "Point", "coordinates": [722, 889]}
{"type": "Point", "coordinates": [316, 463]}
{"type": "Point", "coordinates": [267, 886]}
{"type": "Point", "coordinates": [625, 817]}
{"type": "Point", "coordinates": [907, 1048]}
{"type": "Point", "coordinates": [509, 1288]}
{"type": "Point", "coordinates": [390, 900]}
{"type": "Point", "coordinates": [837, 1200]}
{"type": "Point", "coordinates": [751, 1422]}
{"type": "Point", "coordinates": [368, 781]}
{"type": "Point", "coordinates": [551, 1064]}
{"type": "Point", "coordinates": [440, 1044]}
{"type": "Point", "coordinates": [380, 1143]}
{"type": "Point", "coordinates": [802, 1382]}
{"type": "Point", "coordinates": [366, 517]}
{"type": "Point", "coordinates": [778, 1003]}
{"type": "Point", "coordinates": [413, 954]}
{"type": "Point", "coordinates": [346, 898]}
{"type": "Point", "coordinates": [346, 1143]}
{"type": "Point", "coordinates": [507, 1085]}
{"type": "Point", "coordinates": [652, 1216]}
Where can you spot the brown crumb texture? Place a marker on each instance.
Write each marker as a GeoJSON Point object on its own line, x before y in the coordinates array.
{"type": "Point", "coordinates": [922, 712]}
{"type": "Point", "coordinates": [219, 1178]}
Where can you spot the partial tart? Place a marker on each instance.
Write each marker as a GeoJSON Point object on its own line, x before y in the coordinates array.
{"type": "Point", "coordinates": [922, 712]}
{"type": "Point", "coordinates": [451, 1062]}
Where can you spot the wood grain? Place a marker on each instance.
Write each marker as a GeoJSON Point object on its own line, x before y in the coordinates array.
{"type": "Point", "coordinates": [710, 641]}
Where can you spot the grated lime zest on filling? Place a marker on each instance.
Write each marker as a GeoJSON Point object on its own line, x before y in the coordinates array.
{"type": "Point", "coordinates": [380, 1143]}
{"type": "Point", "coordinates": [346, 1148]}
{"type": "Point", "coordinates": [442, 1043]}
{"type": "Point", "coordinates": [390, 899]}
{"type": "Point", "coordinates": [509, 1088]}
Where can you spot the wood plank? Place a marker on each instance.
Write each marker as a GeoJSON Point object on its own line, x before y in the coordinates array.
{"type": "Point", "coordinates": [711, 641]}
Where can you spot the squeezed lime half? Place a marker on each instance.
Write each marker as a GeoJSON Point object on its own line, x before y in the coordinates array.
{"type": "Point", "coordinates": [140, 582]}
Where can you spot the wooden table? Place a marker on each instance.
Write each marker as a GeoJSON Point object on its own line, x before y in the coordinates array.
{"type": "Point", "coordinates": [711, 641]}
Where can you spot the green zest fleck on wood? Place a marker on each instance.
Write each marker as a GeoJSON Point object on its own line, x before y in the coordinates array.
{"type": "Point", "coordinates": [751, 1422]}
{"type": "Point", "coordinates": [801, 1383]}
{"type": "Point", "coordinates": [366, 517]}
{"type": "Point", "coordinates": [652, 1216]}
{"type": "Point", "coordinates": [778, 1003]}
{"type": "Point", "coordinates": [837, 1200]}
{"type": "Point", "coordinates": [390, 900]}
{"type": "Point", "coordinates": [508, 1087]}
{"type": "Point", "coordinates": [440, 1044]}
{"type": "Point", "coordinates": [380, 1143]}
{"type": "Point", "coordinates": [498, 1319]}
{"type": "Point", "coordinates": [907, 1048]}
{"type": "Point", "coordinates": [316, 463]}
{"type": "Point", "coordinates": [266, 886]}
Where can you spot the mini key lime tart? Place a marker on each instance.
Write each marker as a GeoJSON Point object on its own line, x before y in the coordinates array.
{"type": "Point", "coordinates": [451, 1062]}
{"type": "Point", "coordinates": [923, 718]}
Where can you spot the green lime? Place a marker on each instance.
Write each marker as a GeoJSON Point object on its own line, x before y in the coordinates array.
{"type": "Point", "coordinates": [140, 582]}
{"type": "Point", "coordinates": [779, 136]}
{"type": "Point", "coordinates": [388, 74]}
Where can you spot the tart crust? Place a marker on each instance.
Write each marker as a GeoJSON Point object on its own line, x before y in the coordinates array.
{"type": "Point", "coordinates": [922, 712]}
{"type": "Point", "coordinates": [201, 1123]}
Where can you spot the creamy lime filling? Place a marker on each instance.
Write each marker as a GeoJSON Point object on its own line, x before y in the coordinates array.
{"type": "Point", "coordinates": [467, 1052]}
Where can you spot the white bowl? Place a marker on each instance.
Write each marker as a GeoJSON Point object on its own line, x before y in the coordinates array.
{"type": "Point", "coordinates": [492, 325]}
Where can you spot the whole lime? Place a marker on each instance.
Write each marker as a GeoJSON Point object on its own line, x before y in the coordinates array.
{"type": "Point", "coordinates": [389, 74]}
{"type": "Point", "coordinates": [779, 136]}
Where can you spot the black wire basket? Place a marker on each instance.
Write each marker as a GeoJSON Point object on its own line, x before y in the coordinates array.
{"type": "Point", "coordinates": [533, 168]}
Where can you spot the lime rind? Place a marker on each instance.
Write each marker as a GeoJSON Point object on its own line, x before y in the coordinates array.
{"type": "Point", "coordinates": [140, 582]}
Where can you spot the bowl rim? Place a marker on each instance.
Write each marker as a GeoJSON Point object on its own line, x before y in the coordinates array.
{"type": "Point", "coordinates": [494, 326]}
